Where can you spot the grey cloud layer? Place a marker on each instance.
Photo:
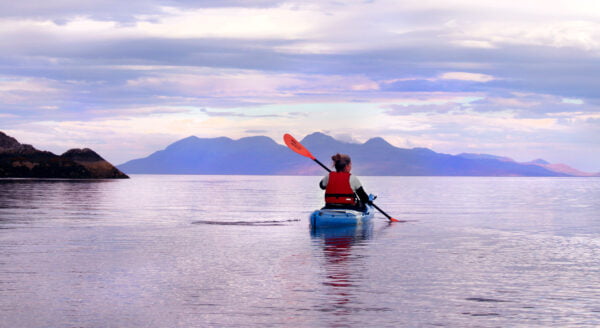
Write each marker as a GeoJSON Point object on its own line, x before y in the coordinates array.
{"type": "Point", "coordinates": [565, 71]}
{"type": "Point", "coordinates": [128, 11]}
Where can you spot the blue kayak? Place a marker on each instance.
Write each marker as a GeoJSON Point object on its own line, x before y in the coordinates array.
{"type": "Point", "coordinates": [327, 217]}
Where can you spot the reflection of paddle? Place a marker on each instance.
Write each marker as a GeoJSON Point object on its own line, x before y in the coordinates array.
{"type": "Point", "coordinates": [296, 146]}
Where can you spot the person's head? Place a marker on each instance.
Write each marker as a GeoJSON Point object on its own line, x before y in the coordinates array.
{"type": "Point", "coordinates": [342, 162]}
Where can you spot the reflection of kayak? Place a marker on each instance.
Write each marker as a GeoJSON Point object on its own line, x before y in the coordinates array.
{"type": "Point", "coordinates": [327, 217]}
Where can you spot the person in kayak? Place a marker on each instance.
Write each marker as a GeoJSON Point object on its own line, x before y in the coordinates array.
{"type": "Point", "coordinates": [342, 189]}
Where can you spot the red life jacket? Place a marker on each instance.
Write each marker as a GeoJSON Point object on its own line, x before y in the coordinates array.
{"type": "Point", "coordinates": [338, 190]}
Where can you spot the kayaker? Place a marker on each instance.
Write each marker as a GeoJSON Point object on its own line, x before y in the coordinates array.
{"type": "Point", "coordinates": [342, 189]}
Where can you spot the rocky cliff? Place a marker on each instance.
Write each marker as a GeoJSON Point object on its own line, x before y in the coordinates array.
{"type": "Point", "coordinates": [24, 161]}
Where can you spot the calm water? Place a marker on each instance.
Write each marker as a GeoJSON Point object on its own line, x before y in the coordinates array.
{"type": "Point", "coordinates": [230, 251]}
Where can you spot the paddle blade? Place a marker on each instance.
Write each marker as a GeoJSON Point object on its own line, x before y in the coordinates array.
{"type": "Point", "coordinates": [296, 146]}
{"type": "Point", "coordinates": [396, 220]}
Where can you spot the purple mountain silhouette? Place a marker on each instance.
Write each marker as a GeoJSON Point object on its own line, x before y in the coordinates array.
{"type": "Point", "coordinates": [262, 156]}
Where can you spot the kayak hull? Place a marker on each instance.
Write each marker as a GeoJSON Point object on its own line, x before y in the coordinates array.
{"type": "Point", "coordinates": [340, 217]}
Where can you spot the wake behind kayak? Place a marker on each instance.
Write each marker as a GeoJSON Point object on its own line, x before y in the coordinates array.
{"type": "Point", "coordinates": [247, 223]}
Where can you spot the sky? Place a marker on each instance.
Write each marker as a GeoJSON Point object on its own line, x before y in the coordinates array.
{"type": "Point", "coordinates": [126, 78]}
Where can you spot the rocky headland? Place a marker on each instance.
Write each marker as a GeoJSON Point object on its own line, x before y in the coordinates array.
{"type": "Point", "coordinates": [24, 161]}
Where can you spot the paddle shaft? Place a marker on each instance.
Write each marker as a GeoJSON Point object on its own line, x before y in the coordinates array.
{"type": "Point", "coordinates": [384, 213]}
{"type": "Point", "coordinates": [322, 165]}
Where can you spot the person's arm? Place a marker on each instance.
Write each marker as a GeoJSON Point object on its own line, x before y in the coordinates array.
{"type": "Point", "coordinates": [362, 195]}
{"type": "Point", "coordinates": [359, 190]}
{"type": "Point", "coordinates": [323, 182]}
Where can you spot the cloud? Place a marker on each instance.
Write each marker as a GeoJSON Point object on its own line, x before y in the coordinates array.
{"type": "Point", "coordinates": [523, 105]}
{"type": "Point", "coordinates": [129, 11]}
{"type": "Point", "coordinates": [139, 111]}
{"type": "Point", "coordinates": [465, 76]}
{"type": "Point", "coordinates": [16, 89]}
{"type": "Point", "coordinates": [573, 101]}
{"type": "Point", "coordinates": [257, 131]}
{"type": "Point", "coordinates": [396, 110]}
{"type": "Point", "coordinates": [234, 114]}
{"type": "Point", "coordinates": [531, 105]}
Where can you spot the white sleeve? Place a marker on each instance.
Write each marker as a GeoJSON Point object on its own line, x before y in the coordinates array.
{"type": "Point", "coordinates": [355, 183]}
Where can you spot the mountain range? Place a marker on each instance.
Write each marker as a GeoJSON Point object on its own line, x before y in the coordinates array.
{"type": "Point", "coordinates": [24, 161]}
{"type": "Point", "coordinates": [261, 155]}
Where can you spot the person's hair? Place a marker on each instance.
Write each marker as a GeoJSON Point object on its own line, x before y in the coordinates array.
{"type": "Point", "coordinates": [340, 161]}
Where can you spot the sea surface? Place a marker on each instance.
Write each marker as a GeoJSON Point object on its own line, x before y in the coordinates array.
{"type": "Point", "coordinates": [237, 251]}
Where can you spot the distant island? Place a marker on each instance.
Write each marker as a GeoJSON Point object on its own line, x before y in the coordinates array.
{"type": "Point", "coordinates": [24, 161]}
{"type": "Point", "coordinates": [261, 155]}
